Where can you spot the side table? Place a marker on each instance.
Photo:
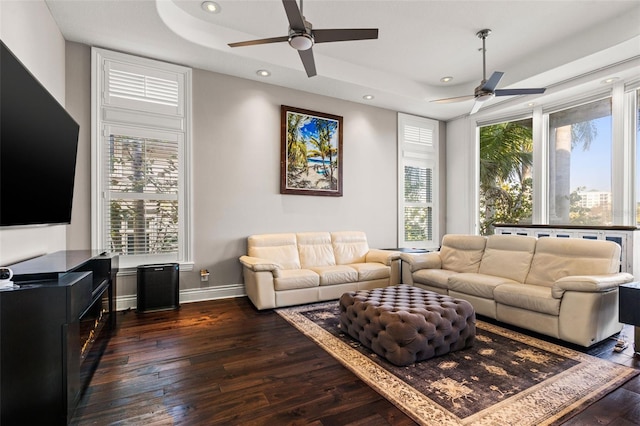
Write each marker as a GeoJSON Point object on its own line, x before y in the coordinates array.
{"type": "Point", "coordinates": [408, 250]}
{"type": "Point", "coordinates": [629, 309]}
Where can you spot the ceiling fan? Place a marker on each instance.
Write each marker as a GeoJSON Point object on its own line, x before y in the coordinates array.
{"type": "Point", "coordinates": [487, 88]}
{"type": "Point", "coordinates": [302, 37]}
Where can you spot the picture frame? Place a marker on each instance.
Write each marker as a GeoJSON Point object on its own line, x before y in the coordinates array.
{"type": "Point", "coordinates": [311, 152]}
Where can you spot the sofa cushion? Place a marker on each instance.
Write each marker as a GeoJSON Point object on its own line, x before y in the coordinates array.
{"type": "Point", "coordinates": [508, 256]}
{"type": "Point", "coordinates": [349, 247]}
{"type": "Point", "coordinates": [278, 248]}
{"type": "Point", "coordinates": [371, 271]}
{"type": "Point", "coordinates": [462, 253]}
{"type": "Point", "coordinates": [477, 284]}
{"type": "Point", "coordinates": [288, 279]}
{"type": "Point", "coordinates": [556, 258]}
{"type": "Point", "coordinates": [315, 249]}
{"type": "Point", "coordinates": [335, 274]}
{"type": "Point", "coordinates": [530, 297]}
{"type": "Point", "coordinates": [433, 277]}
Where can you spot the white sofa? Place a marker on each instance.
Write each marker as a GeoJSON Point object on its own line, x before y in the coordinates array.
{"type": "Point", "coordinates": [566, 288]}
{"type": "Point", "coordinates": [296, 268]}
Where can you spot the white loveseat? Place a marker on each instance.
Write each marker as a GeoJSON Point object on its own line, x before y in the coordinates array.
{"type": "Point", "coordinates": [296, 268]}
{"type": "Point", "coordinates": [566, 288]}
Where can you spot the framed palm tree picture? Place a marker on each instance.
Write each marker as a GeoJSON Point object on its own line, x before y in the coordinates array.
{"type": "Point", "coordinates": [311, 153]}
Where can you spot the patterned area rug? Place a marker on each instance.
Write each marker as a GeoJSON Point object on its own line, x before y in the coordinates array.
{"type": "Point", "coordinates": [506, 378]}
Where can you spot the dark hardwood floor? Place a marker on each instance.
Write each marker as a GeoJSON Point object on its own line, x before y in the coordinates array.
{"type": "Point", "coordinates": [223, 362]}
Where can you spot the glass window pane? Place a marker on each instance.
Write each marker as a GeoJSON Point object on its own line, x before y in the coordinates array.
{"type": "Point", "coordinates": [418, 223]}
{"type": "Point", "coordinates": [580, 142]}
{"type": "Point", "coordinates": [142, 165]}
{"type": "Point", "coordinates": [143, 226]}
{"type": "Point", "coordinates": [506, 171]}
{"type": "Point", "coordinates": [417, 184]}
{"type": "Point", "coordinates": [143, 187]}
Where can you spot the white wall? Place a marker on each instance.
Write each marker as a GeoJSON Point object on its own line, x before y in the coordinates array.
{"type": "Point", "coordinates": [461, 170]}
{"type": "Point", "coordinates": [28, 29]}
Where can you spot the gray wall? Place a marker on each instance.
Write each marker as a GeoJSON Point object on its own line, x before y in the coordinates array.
{"type": "Point", "coordinates": [236, 170]}
{"type": "Point", "coordinates": [236, 173]}
{"type": "Point", "coordinates": [29, 31]}
{"type": "Point", "coordinates": [78, 94]}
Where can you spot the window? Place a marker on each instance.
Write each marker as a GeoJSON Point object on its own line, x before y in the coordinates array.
{"type": "Point", "coordinates": [580, 149]}
{"type": "Point", "coordinates": [506, 170]}
{"type": "Point", "coordinates": [140, 154]}
{"type": "Point", "coordinates": [418, 182]}
{"type": "Point", "coordinates": [585, 165]}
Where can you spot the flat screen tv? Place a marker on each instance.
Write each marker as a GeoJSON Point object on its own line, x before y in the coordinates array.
{"type": "Point", "coordinates": [38, 147]}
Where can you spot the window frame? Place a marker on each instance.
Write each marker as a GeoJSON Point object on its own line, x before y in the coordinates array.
{"type": "Point", "coordinates": [412, 154]}
{"type": "Point", "coordinates": [142, 118]}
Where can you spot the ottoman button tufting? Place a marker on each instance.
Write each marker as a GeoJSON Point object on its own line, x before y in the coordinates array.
{"type": "Point", "coordinates": [411, 324]}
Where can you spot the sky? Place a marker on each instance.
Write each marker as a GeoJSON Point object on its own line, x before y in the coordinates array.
{"type": "Point", "coordinates": [592, 168]}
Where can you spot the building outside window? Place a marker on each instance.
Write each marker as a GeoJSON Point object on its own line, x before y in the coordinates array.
{"type": "Point", "coordinates": [580, 149]}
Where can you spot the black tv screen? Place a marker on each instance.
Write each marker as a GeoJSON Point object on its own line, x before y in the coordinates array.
{"type": "Point", "coordinates": [38, 146]}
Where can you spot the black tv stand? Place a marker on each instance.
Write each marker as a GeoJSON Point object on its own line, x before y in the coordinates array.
{"type": "Point", "coordinates": [54, 326]}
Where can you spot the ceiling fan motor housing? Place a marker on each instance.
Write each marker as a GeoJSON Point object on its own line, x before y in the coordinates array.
{"type": "Point", "coordinates": [483, 95]}
{"type": "Point", "coordinates": [302, 40]}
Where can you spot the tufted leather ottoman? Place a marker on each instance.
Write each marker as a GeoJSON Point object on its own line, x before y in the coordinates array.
{"type": "Point", "coordinates": [406, 324]}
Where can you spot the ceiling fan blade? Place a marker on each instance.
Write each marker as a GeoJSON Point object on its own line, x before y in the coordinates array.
{"type": "Point", "coordinates": [476, 107]}
{"type": "Point", "coordinates": [512, 92]}
{"type": "Point", "coordinates": [261, 41]}
{"type": "Point", "coordinates": [490, 85]}
{"type": "Point", "coordinates": [456, 99]}
{"type": "Point", "coordinates": [345, 34]}
{"type": "Point", "coordinates": [296, 21]}
{"type": "Point", "coordinates": [308, 62]}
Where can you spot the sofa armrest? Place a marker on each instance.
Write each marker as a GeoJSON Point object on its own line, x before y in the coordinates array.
{"type": "Point", "coordinates": [416, 262]}
{"type": "Point", "coordinates": [382, 256]}
{"type": "Point", "coordinates": [257, 264]}
{"type": "Point", "coordinates": [589, 283]}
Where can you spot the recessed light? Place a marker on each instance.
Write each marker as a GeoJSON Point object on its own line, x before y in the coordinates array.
{"type": "Point", "coordinates": [211, 6]}
{"type": "Point", "coordinates": [368, 97]}
{"type": "Point", "coordinates": [530, 104]}
{"type": "Point", "coordinates": [263, 73]}
{"type": "Point", "coordinates": [610, 80]}
{"type": "Point", "coordinates": [446, 79]}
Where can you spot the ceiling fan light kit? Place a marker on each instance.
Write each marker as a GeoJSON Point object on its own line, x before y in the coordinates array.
{"type": "Point", "coordinates": [487, 88]}
{"type": "Point", "coordinates": [302, 36]}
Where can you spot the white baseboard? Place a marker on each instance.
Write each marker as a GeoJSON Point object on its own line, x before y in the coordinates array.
{"type": "Point", "coordinates": [190, 295]}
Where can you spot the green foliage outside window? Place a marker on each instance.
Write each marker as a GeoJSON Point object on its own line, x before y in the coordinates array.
{"type": "Point", "coordinates": [506, 159]}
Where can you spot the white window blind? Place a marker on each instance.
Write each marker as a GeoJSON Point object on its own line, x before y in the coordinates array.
{"type": "Point", "coordinates": [142, 180]}
{"type": "Point", "coordinates": [140, 154]}
{"type": "Point", "coordinates": [143, 88]}
{"type": "Point", "coordinates": [420, 136]}
{"type": "Point", "coordinates": [417, 182]}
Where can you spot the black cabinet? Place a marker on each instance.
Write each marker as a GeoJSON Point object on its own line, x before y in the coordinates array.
{"type": "Point", "coordinates": [54, 326]}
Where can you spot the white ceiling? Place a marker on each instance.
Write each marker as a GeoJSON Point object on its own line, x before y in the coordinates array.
{"type": "Point", "coordinates": [554, 44]}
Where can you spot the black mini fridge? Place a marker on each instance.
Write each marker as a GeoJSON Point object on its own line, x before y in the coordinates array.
{"type": "Point", "coordinates": [158, 287]}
